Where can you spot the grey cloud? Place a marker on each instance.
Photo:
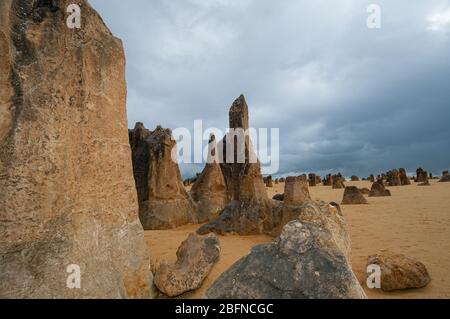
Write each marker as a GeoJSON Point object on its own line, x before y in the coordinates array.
{"type": "Point", "coordinates": [344, 97]}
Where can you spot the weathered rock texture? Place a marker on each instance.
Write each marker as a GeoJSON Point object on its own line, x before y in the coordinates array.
{"type": "Point", "coordinates": [242, 173]}
{"type": "Point", "coordinates": [67, 194]}
{"type": "Point", "coordinates": [250, 207]}
{"type": "Point", "coordinates": [195, 259]}
{"type": "Point", "coordinates": [168, 205]}
{"type": "Point", "coordinates": [378, 190]}
{"type": "Point", "coordinates": [209, 191]}
{"type": "Point", "coordinates": [296, 191]}
{"type": "Point", "coordinates": [353, 196]}
{"type": "Point", "coordinates": [354, 178]}
{"type": "Point", "coordinates": [400, 272]}
{"type": "Point", "coordinates": [305, 262]}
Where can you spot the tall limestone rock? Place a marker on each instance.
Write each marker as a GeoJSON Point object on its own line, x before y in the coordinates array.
{"type": "Point", "coordinates": [240, 166]}
{"type": "Point", "coordinates": [67, 194]}
{"type": "Point", "coordinates": [164, 202]}
{"type": "Point", "coordinates": [209, 191]}
{"type": "Point", "coordinates": [250, 206]}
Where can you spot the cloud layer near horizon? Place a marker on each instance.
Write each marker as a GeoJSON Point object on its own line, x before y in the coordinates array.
{"type": "Point", "coordinates": [346, 98]}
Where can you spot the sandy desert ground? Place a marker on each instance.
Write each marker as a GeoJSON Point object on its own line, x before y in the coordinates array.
{"type": "Point", "coordinates": [415, 221]}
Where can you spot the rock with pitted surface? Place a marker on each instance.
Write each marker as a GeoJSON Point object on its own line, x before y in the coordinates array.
{"type": "Point", "coordinates": [378, 190]}
{"type": "Point", "coordinates": [168, 204]}
{"type": "Point", "coordinates": [304, 262]}
{"type": "Point", "coordinates": [67, 191]}
{"type": "Point", "coordinates": [400, 272]}
{"type": "Point", "coordinates": [352, 196]}
{"type": "Point", "coordinates": [209, 191]}
{"type": "Point", "coordinates": [196, 257]}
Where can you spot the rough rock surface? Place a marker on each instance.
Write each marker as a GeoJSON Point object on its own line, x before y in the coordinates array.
{"type": "Point", "coordinates": [400, 272]}
{"type": "Point", "coordinates": [354, 178]}
{"type": "Point", "coordinates": [168, 205]}
{"type": "Point", "coordinates": [352, 196]}
{"type": "Point", "coordinates": [296, 191]}
{"type": "Point", "coordinates": [378, 190]}
{"type": "Point", "coordinates": [304, 262]}
{"type": "Point", "coordinates": [250, 206]}
{"type": "Point", "coordinates": [209, 190]}
{"type": "Point", "coordinates": [196, 257]}
{"type": "Point", "coordinates": [67, 191]}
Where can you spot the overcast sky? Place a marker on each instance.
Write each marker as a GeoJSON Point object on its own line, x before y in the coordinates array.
{"type": "Point", "coordinates": [345, 97]}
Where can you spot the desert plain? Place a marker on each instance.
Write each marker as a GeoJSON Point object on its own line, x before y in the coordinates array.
{"type": "Point", "coordinates": [414, 221]}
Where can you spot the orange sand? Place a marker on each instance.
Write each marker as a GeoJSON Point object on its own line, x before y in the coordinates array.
{"type": "Point", "coordinates": [415, 221]}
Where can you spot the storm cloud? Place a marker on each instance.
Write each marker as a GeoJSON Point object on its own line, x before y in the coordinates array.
{"type": "Point", "coordinates": [345, 97]}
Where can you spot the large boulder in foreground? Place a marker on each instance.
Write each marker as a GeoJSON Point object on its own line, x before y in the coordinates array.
{"type": "Point", "coordinates": [209, 190]}
{"type": "Point", "coordinates": [400, 272]}
{"type": "Point", "coordinates": [67, 195]}
{"type": "Point", "coordinates": [304, 262]}
{"type": "Point", "coordinates": [168, 205]}
{"type": "Point", "coordinates": [195, 259]}
{"type": "Point", "coordinates": [353, 196]}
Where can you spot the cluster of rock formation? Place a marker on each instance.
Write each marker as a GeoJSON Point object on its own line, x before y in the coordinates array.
{"type": "Point", "coordinates": [249, 206]}
{"type": "Point", "coordinates": [67, 191]}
